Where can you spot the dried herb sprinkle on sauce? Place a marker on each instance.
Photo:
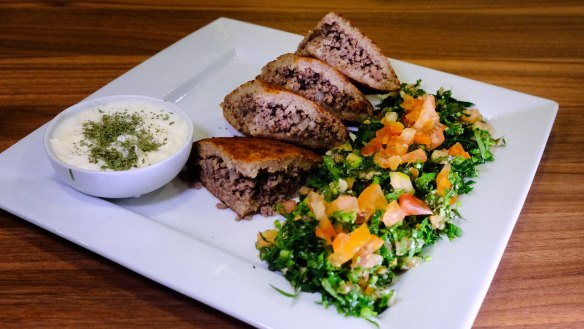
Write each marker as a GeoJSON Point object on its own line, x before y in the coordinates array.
{"type": "Point", "coordinates": [118, 139]}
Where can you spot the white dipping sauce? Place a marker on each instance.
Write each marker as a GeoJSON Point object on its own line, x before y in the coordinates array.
{"type": "Point", "coordinates": [168, 130]}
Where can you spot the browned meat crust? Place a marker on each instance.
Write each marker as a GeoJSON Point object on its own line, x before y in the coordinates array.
{"type": "Point", "coordinates": [258, 109]}
{"type": "Point", "coordinates": [249, 174]}
{"type": "Point", "coordinates": [319, 82]}
{"type": "Point", "coordinates": [336, 41]}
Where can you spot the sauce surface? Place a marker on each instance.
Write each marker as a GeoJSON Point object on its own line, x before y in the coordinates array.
{"type": "Point", "coordinates": [119, 136]}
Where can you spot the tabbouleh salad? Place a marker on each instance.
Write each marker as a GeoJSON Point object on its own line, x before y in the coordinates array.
{"type": "Point", "coordinates": [376, 202]}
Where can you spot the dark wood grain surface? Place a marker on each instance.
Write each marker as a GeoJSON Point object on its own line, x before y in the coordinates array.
{"type": "Point", "coordinates": [55, 53]}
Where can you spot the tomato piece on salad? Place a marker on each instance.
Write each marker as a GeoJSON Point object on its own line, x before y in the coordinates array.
{"type": "Point", "coordinates": [288, 206]}
{"type": "Point", "coordinates": [346, 246]}
{"type": "Point", "coordinates": [437, 137]}
{"type": "Point", "coordinates": [371, 198]}
{"type": "Point", "coordinates": [384, 161]}
{"type": "Point", "coordinates": [457, 150]}
{"type": "Point", "coordinates": [325, 230]}
{"type": "Point", "coordinates": [395, 127]}
{"type": "Point", "coordinates": [413, 107]}
{"type": "Point", "coordinates": [413, 206]}
{"type": "Point", "coordinates": [371, 147]}
{"type": "Point", "coordinates": [415, 155]}
{"type": "Point", "coordinates": [422, 138]}
{"type": "Point", "coordinates": [442, 181]}
{"type": "Point", "coordinates": [366, 256]}
{"type": "Point", "coordinates": [393, 214]}
{"type": "Point", "coordinates": [428, 117]}
{"type": "Point", "coordinates": [317, 205]}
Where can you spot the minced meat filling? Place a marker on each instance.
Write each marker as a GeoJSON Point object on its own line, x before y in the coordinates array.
{"type": "Point", "coordinates": [219, 175]}
{"type": "Point", "coordinates": [272, 188]}
{"type": "Point", "coordinates": [286, 119]}
{"type": "Point", "coordinates": [311, 85]}
{"type": "Point", "coordinates": [261, 193]}
{"type": "Point", "coordinates": [346, 47]}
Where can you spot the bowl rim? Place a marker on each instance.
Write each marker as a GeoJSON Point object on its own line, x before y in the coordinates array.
{"type": "Point", "coordinates": [90, 103]}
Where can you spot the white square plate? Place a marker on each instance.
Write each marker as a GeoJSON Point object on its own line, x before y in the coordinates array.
{"type": "Point", "coordinates": [176, 236]}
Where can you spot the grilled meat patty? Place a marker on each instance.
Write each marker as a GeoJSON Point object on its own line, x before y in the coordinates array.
{"type": "Point", "coordinates": [258, 109]}
{"type": "Point", "coordinates": [319, 82]}
{"type": "Point", "coordinates": [336, 41]}
{"type": "Point", "coordinates": [248, 174]}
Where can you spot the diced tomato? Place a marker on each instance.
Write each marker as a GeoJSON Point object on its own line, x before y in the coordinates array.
{"type": "Point", "coordinates": [385, 161]}
{"type": "Point", "coordinates": [365, 257]}
{"type": "Point", "coordinates": [371, 147]}
{"type": "Point", "coordinates": [400, 148]}
{"type": "Point", "coordinates": [345, 246]}
{"type": "Point", "coordinates": [428, 116]}
{"type": "Point", "coordinates": [346, 203]}
{"type": "Point", "coordinates": [442, 181]}
{"type": "Point", "coordinates": [304, 190]}
{"type": "Point", "coordinates": [395, 128]}
{"type": "Point", "coordinates": [408, 102]}
{"type": "Point", "coordinates": [371, 198]}
{"type": "Point", "coordinates": [288, 206]}
{"type": "Point", "coordinates": [458, 150]}
{"type": "Point", "coordinates": [413, 107]}
{"type": "Point", "coordinates": [439, 156]}
{"type": "Point", "coordinates": [430, 131]}
{"type": "Point", "coordinates": [411, 117]}
{"type": "Point", "coordinates": [407, 136]}
{"type": "Point", "coordinates": [437, 136]}
{"type": "Point", "coordinates": [422, 138]}
{"type": "Point", "coordinates": [340, 241]}
{"type": "Point", "coordinates": [373, 244]}
{"type": "Point", "coordinates": [394, 161]}
{"type": "Point", "coordinates": [413, 206]}
{"type": "Point", "coordinates": [325, 230]}
{"type": "Point", "coordinates": [413, 156]}
{"type": "Point", "coordinates": [383, 132]}
{"type": "Point", "coordinates": [393, 214]}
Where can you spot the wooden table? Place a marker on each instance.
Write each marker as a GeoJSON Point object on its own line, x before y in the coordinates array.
{"type": "Point", "coordinates": [55, 53]}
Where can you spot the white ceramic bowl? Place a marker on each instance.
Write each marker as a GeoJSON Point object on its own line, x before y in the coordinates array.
{"type": "Point", "coordinates": [119, 184]}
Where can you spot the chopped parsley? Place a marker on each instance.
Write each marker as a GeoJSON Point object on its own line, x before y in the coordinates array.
{"type": "Point", "coordinates": [351, 253]}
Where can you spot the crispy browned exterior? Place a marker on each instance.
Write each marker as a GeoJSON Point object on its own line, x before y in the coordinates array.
{"type": "Point", "coordinates": [312, 43]}
{"type": "Point", "coordinates": [234, 170]}
{"type": "Point", "coordinates": [332, 131]}
{"type": "Point", "coordinates": [359, 107]}
{"type": "Point", "coordinates": [249, 154]}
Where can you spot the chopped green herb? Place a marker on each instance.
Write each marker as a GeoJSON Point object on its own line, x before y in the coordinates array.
{"type": "Point", "coordinates": [362, 285]}
{"type": "Point", "coordinates": [116, 139]}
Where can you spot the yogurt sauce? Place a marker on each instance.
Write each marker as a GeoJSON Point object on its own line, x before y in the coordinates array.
{"type": "Point", "coordinates": [73, 140]}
